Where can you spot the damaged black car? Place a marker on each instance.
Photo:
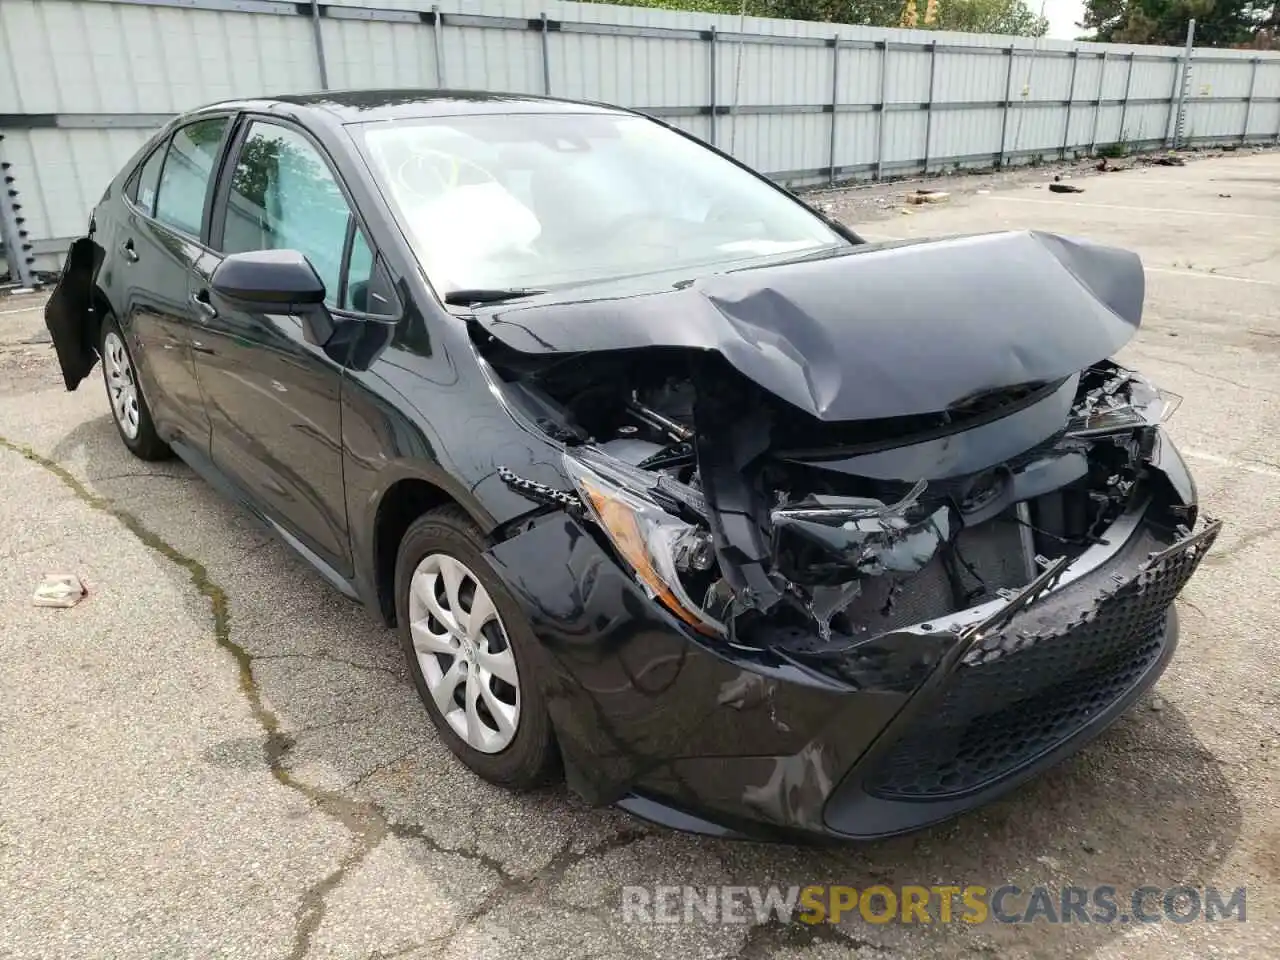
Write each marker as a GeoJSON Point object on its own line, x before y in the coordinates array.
{"type": "Point", "coordinates": [670, 485]}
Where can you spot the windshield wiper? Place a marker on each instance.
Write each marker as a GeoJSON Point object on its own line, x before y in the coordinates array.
{"type": "Point", "coordinates": [466, 298]}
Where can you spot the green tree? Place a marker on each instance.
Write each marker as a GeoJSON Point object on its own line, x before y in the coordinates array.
{"type": "Point", "coordinates": [990, 16]}
{"type": "Point", "coordinates": [1219, 23]}
{"type": "Point", "coordinates": [971, 16]}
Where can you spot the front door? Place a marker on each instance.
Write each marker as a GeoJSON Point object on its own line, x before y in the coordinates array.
{"type": "Point", "coordinates": [273, 399]}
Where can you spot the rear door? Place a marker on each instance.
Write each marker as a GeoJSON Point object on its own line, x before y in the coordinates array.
{"type": "Point", "coordinates": [155, 249]}
{"type": "Point", "coordinates": [274, 400]}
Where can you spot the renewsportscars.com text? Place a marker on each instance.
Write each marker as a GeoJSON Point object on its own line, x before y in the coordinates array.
{"type": "Point", "coordinates": [971, 904]}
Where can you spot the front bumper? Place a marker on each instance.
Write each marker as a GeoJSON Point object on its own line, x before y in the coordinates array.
{"type": "Point", "coordinates": [884, 736]}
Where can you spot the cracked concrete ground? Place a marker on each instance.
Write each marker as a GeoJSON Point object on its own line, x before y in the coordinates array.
{"type": "Point", "coordinates": [216, 755]}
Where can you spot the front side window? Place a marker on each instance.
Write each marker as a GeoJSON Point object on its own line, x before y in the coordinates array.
{"type": "Point", "coordinates": [188, 167]}
{"type": "Point", "coordinates": [284, 197]}
{"type": "Point", "coordinates": [540, 200]}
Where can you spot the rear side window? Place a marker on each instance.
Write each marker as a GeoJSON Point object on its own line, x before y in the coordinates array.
{"type": "Point", "coordinates": [142, 189]}
{"type": "Point", "coordinates": [188, 167]}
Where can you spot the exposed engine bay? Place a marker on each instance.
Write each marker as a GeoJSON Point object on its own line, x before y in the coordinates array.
{"type": "Point", "coordinates": [754, 520]}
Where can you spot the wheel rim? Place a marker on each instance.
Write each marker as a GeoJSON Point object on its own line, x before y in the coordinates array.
{"type": "Point", "coordinates": [122, 388]}
{"type": "Point", "coordinates": [464, 652]}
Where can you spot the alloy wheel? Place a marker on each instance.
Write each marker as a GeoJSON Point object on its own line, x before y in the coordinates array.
{"type": "Point", "coordinates": [122, 388]}
{"type": "Point", "coordinates": [464, 652]}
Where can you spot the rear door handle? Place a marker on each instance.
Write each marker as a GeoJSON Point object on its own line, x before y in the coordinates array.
{"type": "Point", "coordinates": [129, 252]}
{"type": "Point", "coordinates": [205, 310]}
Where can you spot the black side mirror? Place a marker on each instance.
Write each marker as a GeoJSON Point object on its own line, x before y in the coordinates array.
{"type": "Point", "coordinates": [276, 281]}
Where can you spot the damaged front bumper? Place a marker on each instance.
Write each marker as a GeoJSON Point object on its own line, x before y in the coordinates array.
{"type": "Point", "coordinates": [876, 736]}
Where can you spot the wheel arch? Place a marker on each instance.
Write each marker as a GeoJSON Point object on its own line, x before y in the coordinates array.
{"type": "Point", "coordinates": [400, 504]}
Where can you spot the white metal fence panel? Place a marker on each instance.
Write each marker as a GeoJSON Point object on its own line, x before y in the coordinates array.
{"type": "Point", "coordinates": [83, 82]}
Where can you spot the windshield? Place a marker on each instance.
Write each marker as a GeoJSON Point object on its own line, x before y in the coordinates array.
{"type": "Point", "coordinates": [540, 200]}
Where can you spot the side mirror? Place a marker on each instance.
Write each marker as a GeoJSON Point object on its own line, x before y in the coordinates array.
{"type": "Point", "coordinates": [276, 281]}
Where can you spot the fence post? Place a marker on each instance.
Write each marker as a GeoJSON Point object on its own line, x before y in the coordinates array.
{"type": "Point", "coordinates": [318, 34]}
{"type": "Point", "coordinates": [437, 30]}
{"type": "Point", "coordinates": [1124, 104]}
{"type": "Point", "coordinates": [16, 248]}
{"type": "Point", "coordinates": [1008, 94]}
{"type": "Point", "coordinates": [928, 109]}
{"type": "Point", "coordinates": [546, 59]}
{"type": "Point", "coordinates": [1071, 96]}
{"type": "Point", "coordinates": [1248, 108]}
{"type": "Point", "coordinates": [1180, 117]}
{"type": "Point", "coordinates": [884, 76]}
{"type": "Point", "coordinates": [835, 100]}
{"type": "Point", "coordinates": [1097, 106]}
{"type": "Point", "coordinates": [711, 62]}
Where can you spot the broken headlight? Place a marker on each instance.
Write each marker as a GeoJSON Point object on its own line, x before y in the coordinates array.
{"type": "Point", "coordinates": [633, 508]}
{"type": "Point", "coordinates": [1125, 402]}
{"type": "Point", "coordinates": [825, 541]}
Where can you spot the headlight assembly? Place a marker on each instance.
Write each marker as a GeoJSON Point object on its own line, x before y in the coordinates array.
{"type": "Point", "coordinates": [656, 544]}
{"type": "Point", "coordinates": [1126, 402]}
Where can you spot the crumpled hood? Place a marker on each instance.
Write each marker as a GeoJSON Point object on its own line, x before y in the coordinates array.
{"type": "Point", "coordinates": [889, 330]}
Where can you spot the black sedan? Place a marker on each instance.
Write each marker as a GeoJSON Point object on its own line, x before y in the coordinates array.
{"type": "Point", "coordinates": [668, 482]}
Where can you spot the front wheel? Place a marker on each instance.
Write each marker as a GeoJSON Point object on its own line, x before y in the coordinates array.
{"type": "Point", "coordinates": [128, 407]}
{"type": "Point", "coordinates": [472, 653]}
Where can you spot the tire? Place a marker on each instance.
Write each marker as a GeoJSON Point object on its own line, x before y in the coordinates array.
{"type": "Point", "coordinates": [129, 410]}
{"type": "Point", "coordinates": [444, 546]}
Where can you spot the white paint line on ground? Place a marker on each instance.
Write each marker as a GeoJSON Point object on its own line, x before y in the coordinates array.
{"type": "Point", "coordinates": [1067, 204]}
{"type": "Point", "coordinates": [1245, 465]}
{"type": "Point", "coordinates": [1201, 275]}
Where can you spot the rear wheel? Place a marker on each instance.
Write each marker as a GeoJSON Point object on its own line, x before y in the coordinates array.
{"type": "Point", "coordinates": [471, 652]}
{"type": "Point", "coordinates": [128, 407]}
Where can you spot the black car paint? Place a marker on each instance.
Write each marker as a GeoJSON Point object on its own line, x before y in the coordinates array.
{"type": "Point", "coordinates": [647, 713]}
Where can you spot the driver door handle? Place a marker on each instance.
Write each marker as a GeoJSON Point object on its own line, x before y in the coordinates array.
{"type": "Point", "coordinates": [205, 310]}
{"type": "Point", "coordinates": [130, 254]}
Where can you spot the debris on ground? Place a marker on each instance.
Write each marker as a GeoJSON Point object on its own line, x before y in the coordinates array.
{"type": "Point", "coordinates": [928, 196]}
{"type": "Point", "coordinates": [1225, 196]}
{"type": "Point", "coordinates": [1106, 166]}
{"type": "Point", "coordinates": [1164, 161]}
{"type": "Point", "coordinates": [58, 590]}
{"type": "Point", "coordinates": [1065, 188]}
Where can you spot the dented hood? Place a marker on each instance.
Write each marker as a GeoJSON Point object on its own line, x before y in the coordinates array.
{"type": "Point", "coordinates": [887, 330]}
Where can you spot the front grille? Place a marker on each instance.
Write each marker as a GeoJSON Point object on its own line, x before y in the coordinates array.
{"type": "Point", "coordinates": [1018, 693]}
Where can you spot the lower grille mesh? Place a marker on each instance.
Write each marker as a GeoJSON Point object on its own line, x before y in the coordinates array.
{"type": "Point", "coordinates": [1017, 694]}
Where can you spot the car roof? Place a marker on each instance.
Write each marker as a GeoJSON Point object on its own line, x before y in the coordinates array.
{"type": "Point", "coordinates": [358, 106]}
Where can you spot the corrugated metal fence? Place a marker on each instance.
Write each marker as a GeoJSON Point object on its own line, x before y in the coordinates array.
{"type": "Point", "coordinates": [83, 82]}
